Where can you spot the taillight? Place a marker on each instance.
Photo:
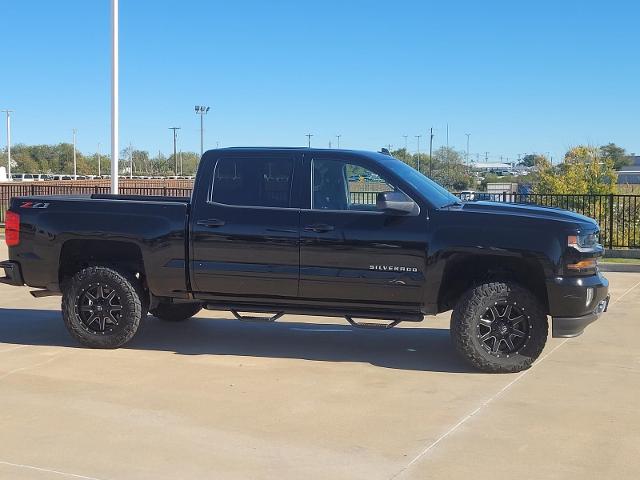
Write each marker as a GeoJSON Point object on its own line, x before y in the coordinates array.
{"type": "Point", "coordinates": [12, 229]}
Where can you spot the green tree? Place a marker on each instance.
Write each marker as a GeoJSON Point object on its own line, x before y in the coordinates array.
{"type": "Point", "coordinates": [583, 172]}
{"type": "Point", "coordinates": [616, 154]}
{"type": "Point", "coordinates": [530, 160]}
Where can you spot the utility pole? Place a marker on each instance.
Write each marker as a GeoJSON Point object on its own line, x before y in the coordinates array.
{"type": "Point", "coordinates": [431, 153]}
{"type": "Point", "coordinates": [309, 135]}
{"type": "Point", "coordinates": [115, 149]}
{"type": "Point", "coordinates": [8, 112]}
{"type": "Point", "coordinates": [130, 160]}
{"type": "Point", "coordinates": [468, 135]}
{"type": "Point", "coordinates": [418, 137]}
{"type": "Point", "coordinates": [175, 152]}
{"type": "Point", "coordinates": [99, 170]}
{"type": "Point", "coordinates": [447, 136]}
{"type": "Point", "coordinates": [75, 165]}
{"type": "Point", "coordinates": [486, 157]}
{"type": "Point", "coordinates": [202, 111]}
{"type": "Point", "coordinates": [181, 169]}
{"type": "Point", "coordinates": [338, 144]}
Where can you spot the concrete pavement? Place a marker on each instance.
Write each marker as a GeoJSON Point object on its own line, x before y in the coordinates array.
{"type": "Point", "coordinates": [217, 398]}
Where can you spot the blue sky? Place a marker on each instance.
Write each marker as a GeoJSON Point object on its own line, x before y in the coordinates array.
{"type": "Point", "coordinates": [519, 76]}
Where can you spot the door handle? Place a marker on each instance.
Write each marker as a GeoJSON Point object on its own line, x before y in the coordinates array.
{"type": "Point", "coordinates": [319, 228]}
{"type": "Point", "coordinates": [211, 222]}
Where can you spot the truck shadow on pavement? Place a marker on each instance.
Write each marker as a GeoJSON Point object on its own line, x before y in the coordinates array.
{"type": "Point", "coordinates": [418, 348]}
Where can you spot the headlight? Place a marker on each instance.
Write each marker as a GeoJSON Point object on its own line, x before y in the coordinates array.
{"type": "Point", "coordinates": [583, 240]}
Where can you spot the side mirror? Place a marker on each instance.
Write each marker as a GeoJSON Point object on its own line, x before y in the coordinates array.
{"type": "Point", "coordinates": [395, 203]}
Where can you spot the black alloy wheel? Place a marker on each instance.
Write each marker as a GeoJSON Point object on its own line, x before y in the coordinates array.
{"type": "Point", "coordinates": [99, 308]}
{"type": "Point", "coordinates": [504, 328]}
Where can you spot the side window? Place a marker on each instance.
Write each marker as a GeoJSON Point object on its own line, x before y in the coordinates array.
{"type": "Point", "coordinates": [339, 185]}
{"type": "Point", "coordinates": [253, 182]}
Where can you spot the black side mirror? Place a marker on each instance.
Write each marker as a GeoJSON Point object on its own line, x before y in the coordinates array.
{"type": "Point", "coordinates": [395, 203]}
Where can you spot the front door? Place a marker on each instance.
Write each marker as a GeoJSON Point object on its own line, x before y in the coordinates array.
{"type": "Point", "coordinates": [245, 233]}
{"type": "Point", "coordinates": [352, 252]}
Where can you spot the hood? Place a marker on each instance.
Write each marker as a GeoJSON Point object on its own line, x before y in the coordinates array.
{"type": "Point", "coordinates": [530, 211]}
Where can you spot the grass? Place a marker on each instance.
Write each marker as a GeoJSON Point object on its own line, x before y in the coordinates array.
{"type": "Point", "coordinates": [631, 261]}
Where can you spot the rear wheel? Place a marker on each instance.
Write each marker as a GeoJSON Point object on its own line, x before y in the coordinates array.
{"type": "Point", "coordinates": [175, 312]}
{"type": "Point", "coordinates": [103, 307]}
{"type": "Point", "coordinates": [499, 327]}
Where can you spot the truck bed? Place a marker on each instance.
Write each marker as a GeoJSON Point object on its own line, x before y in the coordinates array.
{"type": "Point", "coordinates": [51, 225]}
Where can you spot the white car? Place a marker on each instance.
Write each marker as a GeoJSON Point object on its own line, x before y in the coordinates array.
{"type": "Point", "coordinates": [22, 177]}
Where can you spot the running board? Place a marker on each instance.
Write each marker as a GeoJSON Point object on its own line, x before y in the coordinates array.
{"type": "Point", "coordinates": [372, 325]}
{"type": "Point", "coordinates": [253, 318]}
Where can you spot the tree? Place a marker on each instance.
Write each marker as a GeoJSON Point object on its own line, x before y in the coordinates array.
{"type": "Point", "coordinates": [583, 172]}
{"type": "Point", "coordinates": [530, 160]}
{"type": "Point", "coordinates": [616, 154]}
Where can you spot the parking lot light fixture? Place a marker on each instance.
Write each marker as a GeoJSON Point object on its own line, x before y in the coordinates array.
{"type": "Point", "coordinates": [8, 112]}
{"type": "Point", "coordinates": [202, 111]}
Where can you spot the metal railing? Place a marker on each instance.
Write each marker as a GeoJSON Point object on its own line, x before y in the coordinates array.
{"type": "Point", "coordinates": [617, 215]}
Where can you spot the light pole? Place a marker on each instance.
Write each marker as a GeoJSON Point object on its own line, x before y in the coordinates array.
{"type": "Point", "coordinates": [115, 149]}
{"type": "Point", "coordinates": [405, 143]}
{"type": "Point", "coordinates": [202, 111]}
{"type": "Point", "coordinates": [418, 137]}
{"type": "Point", "coordinates": [309, 135]}
{"type": "Point", "coordinates": [175, 155]}
{"type": "Point", "coordinates": [130, 161]}
{"type": "Point", "coordinates": [338, 144]}
{"type": "Point", "coordinates": [99, 170]}
{"type": "Point", "coordinates": [468, 135]}
{"type": "Point", "coordinates": [8, 112]}
{"type": "Point", "coordinates": [431, 153]}
{"type": "Point", "coordinates": [75, 164]}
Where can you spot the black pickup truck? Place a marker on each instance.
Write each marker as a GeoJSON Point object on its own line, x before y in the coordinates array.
{"type": "Point", "coordinates": [272, 231]}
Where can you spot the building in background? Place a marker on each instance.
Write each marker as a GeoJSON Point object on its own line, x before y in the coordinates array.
{"type": "Point", "coordinates": [630, 174]}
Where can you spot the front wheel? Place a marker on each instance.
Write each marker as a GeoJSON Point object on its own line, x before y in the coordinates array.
{"type": "Point", "coordinates": [103, 307]}
{"type": "Point", "coordinates": [499, 327]}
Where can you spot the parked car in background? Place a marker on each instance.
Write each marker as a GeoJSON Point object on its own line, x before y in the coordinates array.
{"type": "Point", "coordinates": [22, 177]}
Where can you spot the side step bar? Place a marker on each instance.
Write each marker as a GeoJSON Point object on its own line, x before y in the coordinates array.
{"type": "Point", "coordinates": [277, 315]}
{"type": "Point", "coordinates": [372, 325]}
{"type": "Point", "coordinates": [253, 318]}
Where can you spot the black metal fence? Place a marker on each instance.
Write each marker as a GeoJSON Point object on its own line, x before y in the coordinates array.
{"type": "Point", "coordinates": [617, 215]}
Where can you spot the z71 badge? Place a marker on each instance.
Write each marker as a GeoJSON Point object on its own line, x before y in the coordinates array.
{"type": "Point", "coordinates": [34, 205]}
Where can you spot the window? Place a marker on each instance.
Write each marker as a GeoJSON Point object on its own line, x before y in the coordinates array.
{"type": "Point", "coordinates": [343, 186]}
{"type": "Point", "coordinates": [257, 182]}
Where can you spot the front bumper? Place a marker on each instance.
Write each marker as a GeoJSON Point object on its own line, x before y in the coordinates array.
{"type": "Point", "coordinates": [575, 302]}
{"type": "Point", "coordinates": [12, 273]}
{"type": "Point", "coordinates": [566, 327]}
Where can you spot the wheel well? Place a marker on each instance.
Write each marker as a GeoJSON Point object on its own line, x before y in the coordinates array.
{"type": "Point", "coordinates": [79, 254]}
{"type": "Point", "coordinates": [464, 271]}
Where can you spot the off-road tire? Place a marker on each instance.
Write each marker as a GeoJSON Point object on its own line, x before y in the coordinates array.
{"type": "Point", "coordinates": [175, 312]}
{"type": "Point", "coordinates": [474, 305]}
{"type": "Point", "coordinates": [130, 297]}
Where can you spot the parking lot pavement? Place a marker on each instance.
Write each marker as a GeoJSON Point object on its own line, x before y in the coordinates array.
{"type": "Point", "coordinates": [217, 398]}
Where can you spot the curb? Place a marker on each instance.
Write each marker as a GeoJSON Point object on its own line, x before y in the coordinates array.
{"type": "Point", "coordinates": [618, 267]}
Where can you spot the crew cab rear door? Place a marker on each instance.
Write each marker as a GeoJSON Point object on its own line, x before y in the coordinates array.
{"type": "Point", "coordinates": [244, 228]}
{"type": "Point", "coordinates": [350, 251]}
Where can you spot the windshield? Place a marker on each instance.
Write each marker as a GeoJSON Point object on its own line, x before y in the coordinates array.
{"type": "Point", "coordinates": [437, 195]}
